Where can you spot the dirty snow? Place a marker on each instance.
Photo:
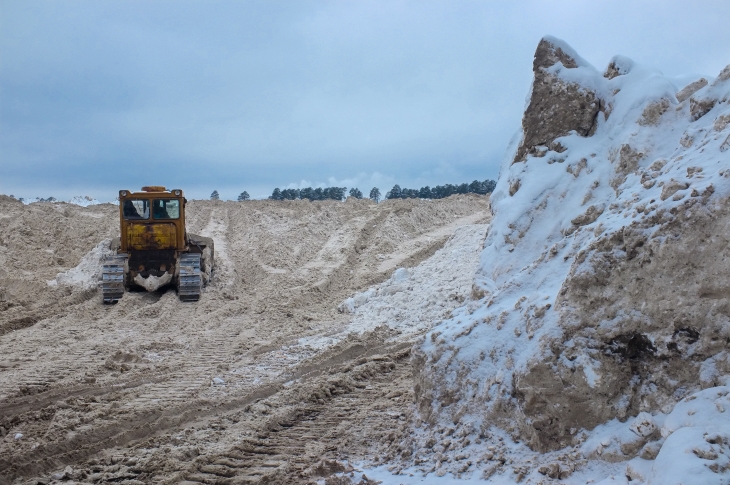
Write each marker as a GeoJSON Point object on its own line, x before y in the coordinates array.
{"type": "Point", "coordinates": [144, 370]}
{"type": "Point", "coordinates": [88, 272]}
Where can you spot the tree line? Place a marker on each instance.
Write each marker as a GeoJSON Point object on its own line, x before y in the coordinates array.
{"type": "Point", "coordinates": [309, 193]}
{"type": "Point", "coordinates": [340, 193]}
{"type": "Point", "coordinates": [441, 191]}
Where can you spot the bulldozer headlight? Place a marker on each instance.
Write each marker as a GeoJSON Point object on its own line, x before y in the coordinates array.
{"type": "Point", "coordinates": [177, 192]}
{"type": "Point", "coordinates": [123, 193]}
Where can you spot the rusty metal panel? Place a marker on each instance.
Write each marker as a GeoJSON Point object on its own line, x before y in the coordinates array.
{"type": "Point", "coordinates": [151, 236]}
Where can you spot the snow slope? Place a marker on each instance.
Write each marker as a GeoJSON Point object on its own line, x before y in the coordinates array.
{"type": "Point", "coordinates": [603, 289]}
{"type": "Point", "coordinates": [412, 300]}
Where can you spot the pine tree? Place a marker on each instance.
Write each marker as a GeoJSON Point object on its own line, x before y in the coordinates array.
{"type": "Point", "coordinates": [375, 194]}
{"type": "Point", "coordinates": [355, 193]}
{"type": "Point", "coordinates": [244, 196]}
{"type": "Point", "coordinates": [276, 194]}
{"type": "Point", "coordinates": [307, 193]}
{"type": "Point", "coordinates": [290, 194]}
{"type": "Point", "coordinates": [334, 193]}
{"type": "Point", "coordinates": [214, 195]}
{"type": "Point", "coordinates": [395, 193]}
{"type": "Point", "coordinates": [409, 194]}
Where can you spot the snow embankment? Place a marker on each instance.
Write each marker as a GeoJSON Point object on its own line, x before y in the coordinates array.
{"type": "Point", "coordinates": [414, 299]}
{"type": "Point", "coordinates": [603, 288]}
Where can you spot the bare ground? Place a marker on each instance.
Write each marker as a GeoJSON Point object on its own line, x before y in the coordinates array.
{"type": "Point", "coordinates": [125, 393]}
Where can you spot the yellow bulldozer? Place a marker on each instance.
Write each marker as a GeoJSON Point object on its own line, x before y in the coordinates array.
{"type": "Point", "coordinates": [154, 250]}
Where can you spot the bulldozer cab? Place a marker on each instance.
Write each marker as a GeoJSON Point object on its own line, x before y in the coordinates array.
{"type": "Point", "coordinates": [152, 220]}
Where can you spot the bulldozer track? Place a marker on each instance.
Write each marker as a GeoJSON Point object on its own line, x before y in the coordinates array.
{"type": "Point", "coordinates": [112, 278]}
{"type": "Point", "coordinates": [120, 433]}
{"type": "Point", "coordinates": [190, 281]}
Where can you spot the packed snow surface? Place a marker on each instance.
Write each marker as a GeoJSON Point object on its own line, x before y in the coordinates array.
{"type": "Point", "coordinates": [148, 367]}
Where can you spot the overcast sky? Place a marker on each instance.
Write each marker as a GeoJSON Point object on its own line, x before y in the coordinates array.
{"type": "Point", "coordinates": [250, 95]}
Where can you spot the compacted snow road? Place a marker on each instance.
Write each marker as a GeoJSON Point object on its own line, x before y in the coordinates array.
{"type": "Point", "coordinates": [263, 380]}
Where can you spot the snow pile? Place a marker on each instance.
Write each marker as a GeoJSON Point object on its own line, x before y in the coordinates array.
{"type": "Point", "coordinates": [689, 445]}
{"type": "Point", "coordinates": [83, 201]}
{"type": "Point", "coordinates": [696, 437]}
{"type": "Point", "coordinates": [414, 299]}
{"type": "Point", "coordinates": [87, 273]}
{"type": "Point", "coordinates": [602, 291]}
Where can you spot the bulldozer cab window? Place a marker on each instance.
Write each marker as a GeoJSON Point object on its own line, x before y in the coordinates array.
{"type": "Point", "coordinates": [166, 209]}
{"type": "Point", "coordinates": [136, 209]}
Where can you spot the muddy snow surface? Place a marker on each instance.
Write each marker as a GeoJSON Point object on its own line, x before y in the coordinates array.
{"type": "Point", "coordinates": [294, 367]}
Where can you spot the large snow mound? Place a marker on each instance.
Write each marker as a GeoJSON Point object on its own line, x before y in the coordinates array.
{"type": "Point", "coordinates": [603, 290]}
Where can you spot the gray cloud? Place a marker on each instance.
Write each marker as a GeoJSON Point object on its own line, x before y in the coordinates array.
{"type": "Point", "coordinates": [95, 96]}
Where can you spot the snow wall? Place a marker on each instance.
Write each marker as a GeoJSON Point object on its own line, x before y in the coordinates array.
{"type": "Point", "coordinates": [604, 286]}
